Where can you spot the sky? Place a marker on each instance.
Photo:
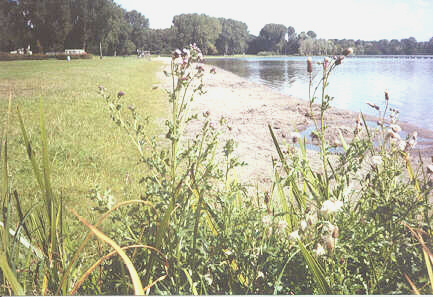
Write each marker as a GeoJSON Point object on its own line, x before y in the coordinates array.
{"type": "Point", "coordinates": [350, 19]}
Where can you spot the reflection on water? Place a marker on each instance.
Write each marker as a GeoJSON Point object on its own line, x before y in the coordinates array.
{"type": "Point", "coordinates": [408, 81]}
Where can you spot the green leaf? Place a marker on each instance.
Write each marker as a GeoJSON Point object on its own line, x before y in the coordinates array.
{"type": "Point", "coordinates": [10, 276]}
{"type": "Point", "coordinates": [316, 270]}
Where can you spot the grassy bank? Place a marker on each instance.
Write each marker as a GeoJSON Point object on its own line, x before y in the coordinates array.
{"type": "Point", "coordinates": [85, 148]}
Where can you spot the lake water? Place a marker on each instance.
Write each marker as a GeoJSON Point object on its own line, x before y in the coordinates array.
{"type": "Point", "coordinates": [409, 82]}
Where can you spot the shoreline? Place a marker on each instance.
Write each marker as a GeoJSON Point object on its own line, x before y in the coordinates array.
{"type": "Point", "coordinates": [249, 107]}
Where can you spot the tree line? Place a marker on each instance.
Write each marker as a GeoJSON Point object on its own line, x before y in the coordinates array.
{"type": "Point", "coordinates": [103, 25]}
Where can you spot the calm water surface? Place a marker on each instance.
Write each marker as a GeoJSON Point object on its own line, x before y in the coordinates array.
{"type": "Point", "coordinates": [409, 82]}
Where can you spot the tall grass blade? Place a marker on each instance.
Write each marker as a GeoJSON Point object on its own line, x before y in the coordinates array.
{"type": "Point", "coordinates": [412, 285]}
{"type": "Point", "coordinates": [191, 284]}
{"type": "Point", "coordinates": [283, 201]}
{"type": "Point", "coordinates": [138, 288]}
{"type": "Point", "coordinates": [280, 153]}
{"type": "Point", "coordinates": [10, 276]}
{"type": "Point", "coordinates": [4, 191]}
{"type": "Point", "coordinates": [109, 255]}
{"type": "Point", "coordinates": [63, 282]}
{"type": "Point", "coordinates": [316, 270]}
{"type": "Point", "coordinates": [30, 153]}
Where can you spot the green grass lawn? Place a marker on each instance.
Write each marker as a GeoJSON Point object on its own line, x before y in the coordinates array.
{"type": "Point", "coordinates": [86, 148]}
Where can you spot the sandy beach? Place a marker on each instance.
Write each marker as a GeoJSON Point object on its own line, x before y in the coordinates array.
{"type": "Point", "coordinates": [249, 108]}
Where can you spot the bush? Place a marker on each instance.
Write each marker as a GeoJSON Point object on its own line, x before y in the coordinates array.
{"type": "Point", "coordinates": [265, 53]}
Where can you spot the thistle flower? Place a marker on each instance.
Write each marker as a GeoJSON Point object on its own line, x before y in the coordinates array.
{"type": "Point", "coordinates": [303, 225]}
{"type": "Point", "coordinates": [348, 51]}
{"type": "Point", "coordinates": [282, 225]}
{"type": "Point", "coordinates": [330, 207]}
{"type": "Point", "coordinates": [186, 53]}
{"type": "Point", "coordinates": [319, 251]}
{"type": "Point", "coordinates": [325, 62]}
{"type": "Point", "coordinates": [206, 113]}
{"type": "Point", "coordinates": [176, 54]}
{"type": "Point", "coordinates": [200, 68]}
{"type": "Point", "coordinates": [395, 128]}
{"type": "Point", "coordinates": [338, 60]}
{"type": "Point", "coordinates": [212, 125]}
{"type": "Point", "coordinates": [101, 89]}
{"type": "Point", "coordinates": [312, 219]}
{"type": "Point", "coordinates": [294, 236]}
{"type": "Point", "coordinates": [386, 95]}
{"type": "Point", "coordinates": [401, 145]}
{"type": "Point", "coordinates": [330, 243]}
{"type": "Point", "coordinates": [411, 142]}
{"type": "Point", "coordinates": [213, 70]}
{"type": "Point", "coordinates": [295, 136]}
{"type": "Point", "coordinates": [376, 160]}
{"type": "Point", "coordinates": [309, 65]}
{"type": "Point", "coordinates": [335, 232]}
{"type": "Point", "coordinates": [430, 169]}
{"type": "Point", "coordinates": [373, 105]}
{"type": "Point", "coordinates": [120, 94]}
{"type": "Point", "coordinates": [267, 220]}
{"type": "Point", "coordinates": [392, 135]}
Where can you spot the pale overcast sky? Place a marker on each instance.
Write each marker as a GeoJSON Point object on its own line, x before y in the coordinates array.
{"type": "Point", "coordinates": [351, 19]}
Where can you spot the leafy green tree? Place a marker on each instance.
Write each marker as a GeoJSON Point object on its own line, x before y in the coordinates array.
{"type": "Point", "coordinates": [197, 28]}
{"type": "Point", "coordinates": [139, 24]}
{"type": "Point", "coordinates": [233, 38]}
{"type": "Point", "coordinates": [272, 37]}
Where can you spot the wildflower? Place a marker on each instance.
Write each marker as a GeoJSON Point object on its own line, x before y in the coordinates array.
{"type": "Point", "coordinates": [267, 220]}
{"type": "Point", "coordinates": [330, 242]}
{"type": "Point", "coordinates": [120, 94]}
{"type": "Point", "coordinates": [430, 169]}
{"type": "Point", "coordinates": [312, 219]}
{"type": "Point", "coordinates": [335, 232]}
{"type": "Point", "coordinates": [395, 128]}
{"type": "Point", "coordinates": [309, 65]}
{"type": "Point", "coordinates": [348, 51]}
{"type": "Point", "coordinates": [325, 62]}
{"type": "Point", "coordinates": [401, 145]}
{"type": "Point", "coordinates": [376, 160]}
{"type": "Point", "coordinates": [295, 136]}
{"type": "Point", "coordinates": [200, 68]}
{"type": "Point", "coordinates": [330, 207]}
{"type": "Point", "coordinates": [101, 89]}
{"type": "Point", "coordinates": [338, 60]}
{"type": "Point", "coordinates": [213, 70]}
{"type": "Point", "coordinates": [282, 225]}
{"type": "Point", "coordinates": [373, 105]}
{"type": "Point", "coordinates": [200, 57]}
{"type": "Point", "coordinates": [294, 236]}
{"type": "Point", "coordinates": [392, 135]}
{"type": "Point", "coordinates": [186, 53]}
{"type": "Point", "coordinates": [411, 142]}
{"type": "Point", "coordinates": [206, 113]}
{"type": "Point", "coordinates": [176, 54]}
{"type": "Point", "coordinates": [303, 225]}
{"type": "Point", "coordinates": [336, 142]}
{"type": "Point", "coordinates": [319, 251]}
{"type": "Point", "coordinates": [386, 95]}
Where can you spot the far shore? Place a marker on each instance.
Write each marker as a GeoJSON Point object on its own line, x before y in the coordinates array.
{"type": "Point", "coordinates": [249, 108]}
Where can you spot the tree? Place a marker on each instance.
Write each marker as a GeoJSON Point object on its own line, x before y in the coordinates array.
{"type": "Point", "coordinates": [197, 28]}
{"type": "Point", "coordinates": [139, 24]}
{"type": "Point", "coordinates": [233, 38]}
{"type": "Point", "coordinates": [311, 34]}
{"type": "Point", "coordinates": [272, 37]}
